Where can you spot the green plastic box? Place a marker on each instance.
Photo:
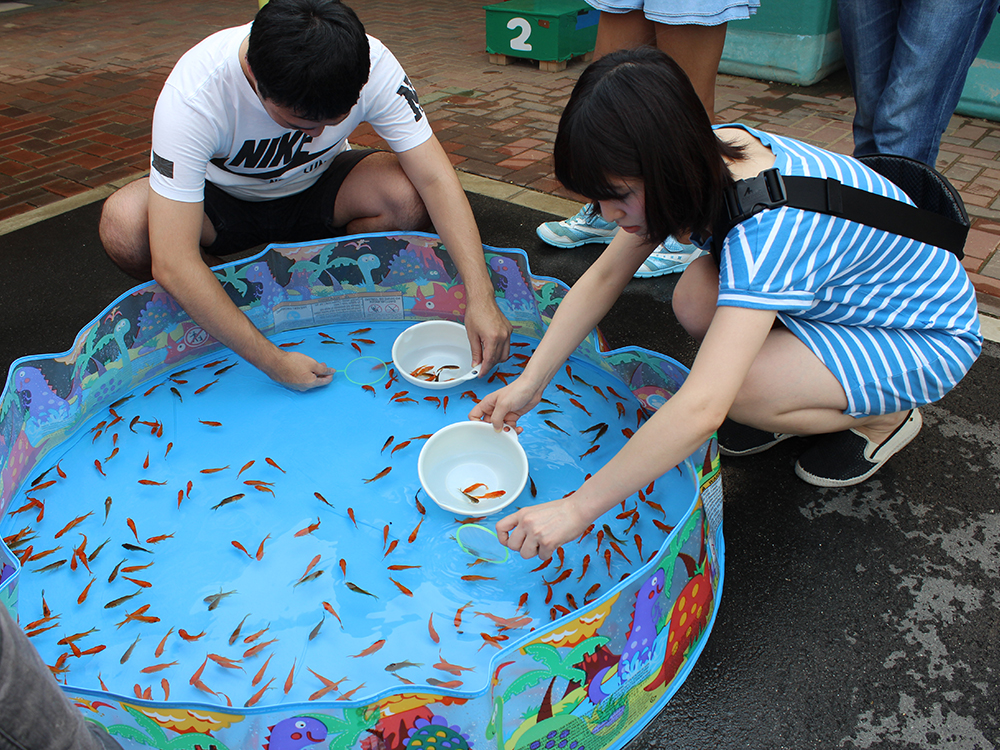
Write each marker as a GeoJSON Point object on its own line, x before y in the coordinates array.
{"type": "Point", "coordinates": [792, 41]}
{"type": "Point", "coordinates": [544, 30]}
{"type": "Point", "coordinates": [981, 95]}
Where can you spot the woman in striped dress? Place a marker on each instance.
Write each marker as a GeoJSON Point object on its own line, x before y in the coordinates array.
{"type": "Point", "coordinates": [809, 324]}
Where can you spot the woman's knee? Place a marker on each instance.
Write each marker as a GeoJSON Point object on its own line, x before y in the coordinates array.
{"type": "Point", "coordinates": [696, 295]}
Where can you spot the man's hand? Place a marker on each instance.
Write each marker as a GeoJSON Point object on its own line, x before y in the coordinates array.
{"type": "Point", "coordinates": [299, 372]}
{"type": "Point", "coordinates": [489, 334]}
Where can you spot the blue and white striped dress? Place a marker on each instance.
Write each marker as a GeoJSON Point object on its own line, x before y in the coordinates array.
{"type": "Point", "coordinates": [895, 320]}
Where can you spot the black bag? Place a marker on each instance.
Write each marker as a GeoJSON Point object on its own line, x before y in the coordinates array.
{"type": "Point", "coordinates": [939, 217]}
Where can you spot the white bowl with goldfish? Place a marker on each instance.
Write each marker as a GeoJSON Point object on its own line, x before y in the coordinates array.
{"type": "Point", "coordinates": [470, 469]}
{"type": "Point", "coordinates": [434, 354]}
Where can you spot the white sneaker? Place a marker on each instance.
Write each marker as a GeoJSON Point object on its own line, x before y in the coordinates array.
{"type": "Point", "coordinates": [584, 227]}
{"type": "Point", "coordinates": [670, 257]}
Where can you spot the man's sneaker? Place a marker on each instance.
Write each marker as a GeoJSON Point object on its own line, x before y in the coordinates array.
{"type": "Point", "coordinates": [670, 257]}
{"type": "Point", "coordinates": [737, 439]}
{"type": "Point", "coordinates": [845, 458]}
{"type": "Point", "coordinates": [584, 227]}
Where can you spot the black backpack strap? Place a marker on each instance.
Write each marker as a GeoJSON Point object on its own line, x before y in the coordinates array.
{"type": "Point", "coordinates": [770, 189]}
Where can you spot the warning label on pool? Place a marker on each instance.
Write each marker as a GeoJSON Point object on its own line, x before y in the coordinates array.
{"type": "Point", "coordinates": [343, 307]}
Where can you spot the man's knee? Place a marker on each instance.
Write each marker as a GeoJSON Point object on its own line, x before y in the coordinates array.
{"type": "Point", "coordinates": [124, 230]}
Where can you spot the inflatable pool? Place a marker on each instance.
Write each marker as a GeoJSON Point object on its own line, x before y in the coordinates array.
{"type": "Point", "coordinates": [204, 558]}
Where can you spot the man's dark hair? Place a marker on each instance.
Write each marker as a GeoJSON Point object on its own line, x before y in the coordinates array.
{"type": "Point", "coordinates": [310, 56]}
{"type": "Point", "coordinates": [635, 114]}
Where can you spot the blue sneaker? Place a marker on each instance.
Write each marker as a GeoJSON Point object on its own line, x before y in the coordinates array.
{"type": "Point", "coordinates": [670, 257]}
{"type": "Point", "coordinates": [580, 229]}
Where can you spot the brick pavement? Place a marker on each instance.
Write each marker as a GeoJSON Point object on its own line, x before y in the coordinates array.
{"type": "Point", "coordinates": [79, 78]}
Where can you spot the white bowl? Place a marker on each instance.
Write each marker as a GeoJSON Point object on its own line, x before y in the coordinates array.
{"type": "Point", "coordinates": [467, 453]}
{"type": "Point", "coordinates": [437, 344]}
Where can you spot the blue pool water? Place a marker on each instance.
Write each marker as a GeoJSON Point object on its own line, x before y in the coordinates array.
{"type": "Point", "coordinates": [313, 458]}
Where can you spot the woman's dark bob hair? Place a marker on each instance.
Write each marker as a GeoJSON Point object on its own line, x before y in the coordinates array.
{"type": "Point", "coordinates": [634, 114]}
{"type": "Point", "coordinates": [311, 56]}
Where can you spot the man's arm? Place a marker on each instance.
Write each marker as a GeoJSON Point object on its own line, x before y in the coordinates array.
{"type": "Point", "coordinates": [174, 239]}
{"type": "Point", "coordinates": [427, 166]}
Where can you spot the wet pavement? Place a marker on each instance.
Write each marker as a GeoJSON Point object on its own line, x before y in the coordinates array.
{"type": "Point", "coordinates": [865, 617]}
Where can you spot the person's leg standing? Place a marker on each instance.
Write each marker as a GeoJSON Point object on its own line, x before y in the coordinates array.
{"type": "Point", "coordinates": [868, 33]}
{"type": "Point", "coordinates": [935, 45]}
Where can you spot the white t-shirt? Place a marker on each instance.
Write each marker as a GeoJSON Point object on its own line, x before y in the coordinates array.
{"type": "Point", "coordinates": [209, 124]}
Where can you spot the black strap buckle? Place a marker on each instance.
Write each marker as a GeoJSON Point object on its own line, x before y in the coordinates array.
{"type": "Point", "coordinates": [747, 197]}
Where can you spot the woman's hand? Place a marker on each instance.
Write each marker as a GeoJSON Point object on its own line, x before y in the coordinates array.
{"type": "Point", "coordinates": [504, 407]}
{"type": "Point", "coordinates": [540, 529]}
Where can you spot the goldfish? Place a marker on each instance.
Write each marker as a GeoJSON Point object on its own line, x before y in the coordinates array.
{"type": "Point", "coordinates": [381, 474]}
{"type": "Point", "coordinates": [225, 662]}
{"type": "Point", "coordinates": [205, 387]}
{"type": "Point", "coordinates": [444, 684]}
{"type": "Point", "coordinates": [188, 637]}
{"type": "Point", "coordinates": [309, 529]}
{"type": "Point", "coordinates": [258, 648]}
{"type": "Point", "coordinates": [359, 590]}
{"type": "Point", "coordinates": [322, 499]}
{"type": "Point", "coordinates": [159, 649]}
{"type": "Point", "coordinates": [315, 631]}
{"type": "Point", "coordinates": [347, 696]}
{"type": "Point", "coordinates": [477, 578]}
{"type": "Point", "coordinates": [413, 534]}
{"type": "Point", "coordinates": [196, 679]}
{"type": "Point", "coordinates": [158, 667]}
{"type": "Point", "coordinates": [83, 595]}
{"type": "Point", "coordinates": [75, 637]}
{"type": "Point", "coordinates": [122, 599]}
{"type": "Point", "coordinates": [455, 669]}
{"type": "Point", "coordinates": [75, 522]}
{"type": "Point", "coordinates": [210, 423]}
{"type": "Point", "coordinates": [309, 577]}
{"type": "Point", "coordinates": [493, 640]}
{"type": "Point", "coordinates": [230, 499]}
{"type": "Point", "coordinates": [458, 614]}
{"type": "Point", "coordinates": [260, 549]}
{"type": "Point", "coordinates": [241, 548]}
{"type": "Point", "coordinates": [128, 652]}
{"type": "Point", "coordinates": [506, 623]}
{"type": "Point", "coordinates": [213, 600]}
{"type": "Point", "coordinates": [554, 426]}
{"type": "Point", "coordinates": [399, 446]}
{"type": "Point", "coordinates": [258, 695]}
{"type": "Point", "coordinates": [401, 587]}
{"type": "Point", "coordinates": [370, 650]}
{"type": "Point", "coordinates": [430, 629]}
{"type": "Point", "coordinates": [260, 674]}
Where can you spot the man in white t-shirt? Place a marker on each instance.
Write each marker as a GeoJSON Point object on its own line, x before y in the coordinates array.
{"type": "Point", "coordinates": [249, 147]}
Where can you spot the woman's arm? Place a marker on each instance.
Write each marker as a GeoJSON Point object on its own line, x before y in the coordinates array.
{"type": "Point", "coordinates": [578, 314]}
{"type": "Point", "coordinates": [682, 424]}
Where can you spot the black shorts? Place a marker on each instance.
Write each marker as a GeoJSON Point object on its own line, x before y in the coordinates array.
{"type": "Point", "coordinates": [241, 225]}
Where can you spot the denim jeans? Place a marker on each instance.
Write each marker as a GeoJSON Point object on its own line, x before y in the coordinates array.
{"type": "Point", "coordinates": [908, 60]}
{"type": "Point", "coordinates": [35, 714]}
